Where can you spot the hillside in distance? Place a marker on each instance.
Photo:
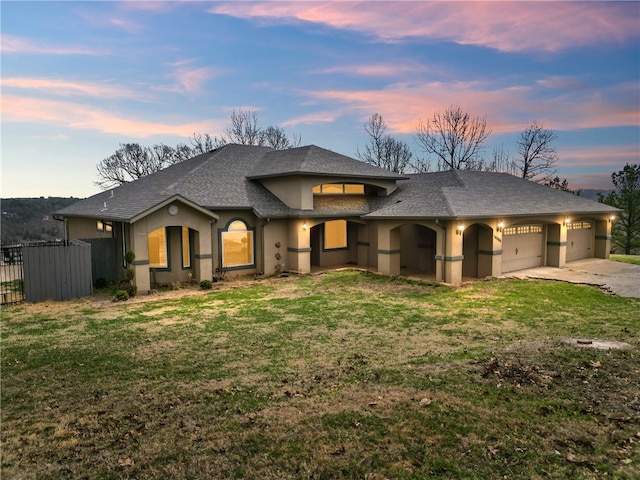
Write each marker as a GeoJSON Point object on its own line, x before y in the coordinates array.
{"type": "Point", "coordinates": [31, 219]}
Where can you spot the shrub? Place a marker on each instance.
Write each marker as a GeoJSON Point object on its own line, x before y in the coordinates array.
{"type": "Point", "coordinates": [121, 296]}
{"type": "Point", "coordinates": [206, 284]}
{"type": "Point", "coordinates": [130, 274]}
{"type": "Point", "coordinates": [100, 283]}
{"type": "Point", "coordinates": [132, 290]}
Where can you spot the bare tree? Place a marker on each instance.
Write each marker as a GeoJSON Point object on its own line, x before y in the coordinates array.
{"type": "Point", "coordinates": [130, 162]}
{"type": "Point", "coordinates": [244, 129]}
{"type": "Point", "coordinates": [453, 137]}
{"type": "Point", "coordinates": [276, 138]}
{"type": "Point", "coordinates": [383, 150]}
{"type": "Point", "coordinates": [202, 143]}
{"type": "Point", "coordinates": [537, 156]}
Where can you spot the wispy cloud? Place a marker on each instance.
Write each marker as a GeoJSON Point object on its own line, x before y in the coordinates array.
{"type": "Point", "coordinates": [12, 44]}
{"type": "Point", "coordinates": [311, 119]}
{"type": "Point", "coordinates": [403, 104]}
{"type": "Point", "coordinates": [69, 88]}
{"type": "Point", "coordinates": [84, 117]}
{"type": "Point", "coordinates": [504, 26]}
{"type": "Point", "coordinates": [188, 78]}
{"type": "Point", "coordinates": [374, 70]}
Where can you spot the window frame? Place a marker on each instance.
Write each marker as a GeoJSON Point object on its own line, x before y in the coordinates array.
{"type": "Point", "coordinates": [250, 231]}
{"type": "Point", "coordinates": [188, 246]}
{"type": "Point", "coordinates": [325, 248]}
{"type": "Point", "coordinates": [167, 248]}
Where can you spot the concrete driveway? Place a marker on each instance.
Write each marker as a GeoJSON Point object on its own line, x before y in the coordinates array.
{"type": "Point", "coordinates": [620, 278]}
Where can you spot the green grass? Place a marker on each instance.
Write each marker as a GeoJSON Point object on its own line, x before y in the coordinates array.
{"type": "Point", "coordinates": [634, 259]}
{"type": "Point", "coordinates": [342, 375]}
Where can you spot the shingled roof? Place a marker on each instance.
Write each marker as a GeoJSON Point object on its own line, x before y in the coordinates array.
{"type": "Point", "coordinates": [471, 194]}
{"type": "Point", "coordinates": [313, 160]}
{"type": "Point", "coordinates": [228, 178]}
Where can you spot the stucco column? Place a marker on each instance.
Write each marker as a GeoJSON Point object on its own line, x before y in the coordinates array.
{"type": "Point", "coordinates": [299, 251]}
{"type": "Point", "coordinates": [489, 252]}
{"type": "Point", "coordinates": [363, 246]}
{"type": "Point", "coordinates": [388, 250]}
{"type": "Point", "coordinates": [453, 254]}
{"type": "Point", "coordinates": [140, 246]}
{"type": "Point", "coordinates": [556, 244]}
{"type": "Point", "coordinates": [603, 238]}
{"type": "Point", "coordinates": [203, 256]}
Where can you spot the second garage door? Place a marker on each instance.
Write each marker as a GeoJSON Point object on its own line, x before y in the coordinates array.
{"type": "Point", "coordinates": [579, 235]}
{"type": "Point", "coordinates": [522, 247]}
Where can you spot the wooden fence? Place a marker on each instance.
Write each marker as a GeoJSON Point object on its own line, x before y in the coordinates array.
{"type": "Point", "coordinates": [57, 272]}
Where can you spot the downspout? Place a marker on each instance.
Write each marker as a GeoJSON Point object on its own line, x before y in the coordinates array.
{"type": "Point", "coordinates": [264, 249]}
{"type": "Point", "coordinates": [444, 250]}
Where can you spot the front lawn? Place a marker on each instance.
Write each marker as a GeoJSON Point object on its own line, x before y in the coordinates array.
{"type": "Point", "coordinates": [634, 259]}
{"type": "Point", "coordinates": [340, 375]}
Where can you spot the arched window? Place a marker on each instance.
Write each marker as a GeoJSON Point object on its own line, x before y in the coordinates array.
{"type": "Point", "coordinates": [237, 243]}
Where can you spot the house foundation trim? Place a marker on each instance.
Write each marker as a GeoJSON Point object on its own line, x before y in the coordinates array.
{"type": "Point", "coordinates": [557, 244]}
{"type": "Point", "coordinates": [298, 250]}
{"type": "Point", "coordinates": [603, 237]}
{"type": "Point", "coordinates": [140, 262]}
{"type": "Point", "coordinates": [489, 252]}
{"type": "Point", "coordinates": [458, 258]}
{"type": "Point", "coordinates": [388, 252]}
{"type": "Point", "coordinates": [204, 255]}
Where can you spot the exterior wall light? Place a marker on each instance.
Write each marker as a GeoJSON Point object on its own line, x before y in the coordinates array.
{"type": "Point", "coordinates": [304, 226]}
{"type": "Point", "coordinates": [612, 218]}
{"type": "Point", "coordinates": [567, 221]}
{"type": "Point", "coordinates": [500, 226]}
{"type": "Point", "coordinates": [460, 229]}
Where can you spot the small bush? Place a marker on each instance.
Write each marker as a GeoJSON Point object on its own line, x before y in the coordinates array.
{"type": "Point", "coordinates": [121, 296]}
{"type": "Point", "coordinates": [100, 283]}
{"type": "Point", "coordinates": [132, 291]}
{"type": "Point", "coordinates": [206, 284]}
{"type": "Point", "coordinates": [130, 274]}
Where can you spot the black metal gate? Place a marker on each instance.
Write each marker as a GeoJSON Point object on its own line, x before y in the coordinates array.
{"type": "Point", "coordinates": [12, 270]}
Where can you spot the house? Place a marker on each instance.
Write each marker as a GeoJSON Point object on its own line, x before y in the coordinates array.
{"type": "Point", "coordinates": [252, 210]}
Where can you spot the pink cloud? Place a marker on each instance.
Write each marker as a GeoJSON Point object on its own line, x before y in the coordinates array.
{"type": "Point", "coordinates": [68, 88]}
{"type": "Point", "coordinates": [78, 116]}
{"type": "Point", "coordinates": [374, 70]}
{"type": "Point", "coordinates": [504, 26]}
{"type": "Point", "coordinates": [189, 79]}
{"type": "Point", "coordinates": [402, 105]}
{"type": "Point", "coordinates": [12, 44]}
{"type": "Point", "coordinates": [311, 119]}
{"type": "Point", "coordinates": [615, 156]}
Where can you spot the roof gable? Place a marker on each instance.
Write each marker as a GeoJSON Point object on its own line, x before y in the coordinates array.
{"type": "Point", "coordinates": [313, 160]}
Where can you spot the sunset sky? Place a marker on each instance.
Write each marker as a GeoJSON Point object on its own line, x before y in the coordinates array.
{"type": "Point", "coordinates": [79, 78]}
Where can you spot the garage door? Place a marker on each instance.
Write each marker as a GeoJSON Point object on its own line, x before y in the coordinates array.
{"type": "Point", "coordinates": [579, 235]}
{"type": "Point", "coordinates": [522, 247]}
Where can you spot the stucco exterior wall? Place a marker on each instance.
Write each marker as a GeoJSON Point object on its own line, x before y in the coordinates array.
{"type": "Point", "coordinates": [85, 228]}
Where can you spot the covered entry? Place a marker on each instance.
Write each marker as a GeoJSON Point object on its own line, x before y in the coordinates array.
{"type": "Point", "coordinates": [579, 238]}
{"type": "Point", "coordinates": [522, 247]}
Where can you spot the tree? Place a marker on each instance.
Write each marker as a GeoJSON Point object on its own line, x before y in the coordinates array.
{"type": "Point", "coordinates": [454, 138]}
{"type": "Point", "coordinates": [537, 156]}
{"type": "Point", "coordinates": [132, 161]}
{"type": "Point", "coordinates": [558, 184]}
{"type": "Point", "coordinates": [383, 150]}
{"type": "Point", "coordinates": [245, 130]}
{"type": "Point", "coordinates": [626, 230]}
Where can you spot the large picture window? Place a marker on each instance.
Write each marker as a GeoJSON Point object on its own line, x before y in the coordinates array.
{"type": "Point", "coordinates": [237, 245]}
{"type": "Point", "coordinates": [157, 240]}
{"type": "Point", "coordinates": [335, 234]}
